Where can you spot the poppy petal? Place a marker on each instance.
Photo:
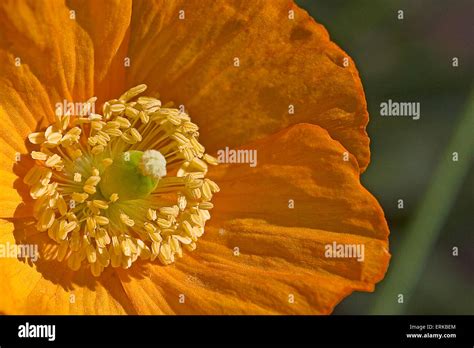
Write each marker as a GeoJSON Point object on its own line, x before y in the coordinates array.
{"type": "Point", "coordinates": [283, 63]}
{"type": "Point", "coordinates": [49, 55]}
{"type": "Point", "coordinates": [279, 248]}
{"type": "Point", "coordinates": [75, 51]}
{"type": "Point", "coordinates": [290, 280]}
{"type": "Point", "coordinates": [51, 44]}
{"type": "Point", "coordinates": [49, 287]}
{"type": "Point", "coordinates": [107, 24]}
{"type": "Point", "coordinates": [304, 164]}
{"type": "Point", "coordinates": [25, 107]}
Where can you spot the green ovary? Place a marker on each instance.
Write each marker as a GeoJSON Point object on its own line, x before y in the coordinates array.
{"type": "Point", "coordinates": [125, 178]}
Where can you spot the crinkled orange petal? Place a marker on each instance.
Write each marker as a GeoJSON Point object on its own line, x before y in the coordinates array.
{"type": "Point", "coordinates": [15, 126]}
{"type": "Point", "coordinates": [107, 24]}
{"type": "Point", "coordinates": [276, 261]}
{"type": "Point", "coordinates": [213, 280]}
{"type": "Point", "coordinates": [282, 61]}
{"type": "Point", "coordinates": [304, 164]}
{"type": "Point", "coordinates": [74, 49]}
{"type": "Point", "coordinates": [281, 250]}
{"type": "Point", "coordinates": [24, 106]}
{"type": "Point", "coordinates": [59, 58]}
{"type": "Point", "coordinates": [49, 287]}
{"type": "Point", "coordinates": [51, 45]}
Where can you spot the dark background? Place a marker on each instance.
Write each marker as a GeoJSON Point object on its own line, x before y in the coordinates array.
{"type": "Point", "coordinates": [410, 60]}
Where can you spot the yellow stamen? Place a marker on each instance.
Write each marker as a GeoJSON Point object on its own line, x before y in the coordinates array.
{"type": "Point", "coordinates": [77, 177]}
{"type": "Point", "coordinates": [126, 220]}
{"type": "Point", "coordinates": [114, 197]}
{"type": "Point", "coordinates": [104, 211]}
{"type": "Point", "coordinates": [100, 204]}
{"type": "Point", "coordinates": [101, 220]}
{"type": "Point", "coordinates": [37, 138]}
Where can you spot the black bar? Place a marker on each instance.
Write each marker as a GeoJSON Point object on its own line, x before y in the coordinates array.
{"type": "Point", "coordinates": [140, 330]}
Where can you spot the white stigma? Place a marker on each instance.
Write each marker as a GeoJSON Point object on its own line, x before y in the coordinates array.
{"type": "Point", "coordinates": [153, 164]}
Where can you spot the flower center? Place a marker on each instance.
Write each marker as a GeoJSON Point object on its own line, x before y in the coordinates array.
{"type": "Point", "coordinates": [133, 175]}
{"type": "Point", "coordinates": [126, 184]}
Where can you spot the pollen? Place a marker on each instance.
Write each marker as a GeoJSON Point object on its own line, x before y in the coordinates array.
{"type": "Point", "coordinates": [153, 164]}
{"type": "Point", "coordinates": [125, 185]}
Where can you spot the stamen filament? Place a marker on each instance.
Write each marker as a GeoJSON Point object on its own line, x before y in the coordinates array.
{"type": "Point", "coordinates": [103, 211]}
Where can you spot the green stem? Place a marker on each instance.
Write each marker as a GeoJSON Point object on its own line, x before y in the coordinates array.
{"type": "Point", "coordinates": [423, 231]}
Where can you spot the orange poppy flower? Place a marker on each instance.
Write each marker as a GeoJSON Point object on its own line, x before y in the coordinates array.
{"type": "Point", "coordinates": [116, 234]}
